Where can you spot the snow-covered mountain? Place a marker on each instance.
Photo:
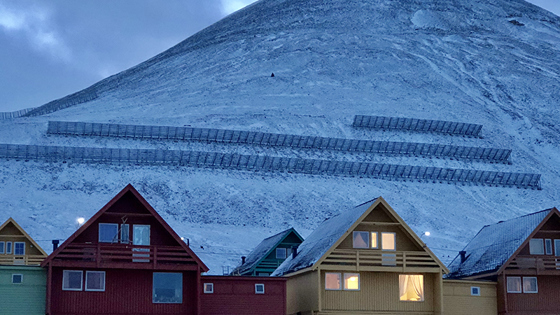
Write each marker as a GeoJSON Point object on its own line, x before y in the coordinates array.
{"type": "Point", "coordinates": [489, 62]}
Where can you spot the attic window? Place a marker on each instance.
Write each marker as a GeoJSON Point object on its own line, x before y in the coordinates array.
{"type": "Point", "coordinates": [548, 246]}
{"type": "Point", "coordinates": [388, 241]}
{"type": "Point", "coordinates": [360, 239]}
{"type": "Point", "coordinates": [108, 233]}
{"type": "Point", "coordinates": [8, 247]}
{"type": "Point", "coordinates": [19, 248]}
{"type": "Point", "coordinates": [2, 247]}
{"type": "Point", "coordinates": [536, 246]}
{"type": "Point", "coordinates": [280, 253]}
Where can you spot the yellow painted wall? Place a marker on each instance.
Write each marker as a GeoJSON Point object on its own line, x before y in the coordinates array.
{"type": "Point", "coordinates": [301, 293]}
{"type": "Point", "coordinates": [457, 298]}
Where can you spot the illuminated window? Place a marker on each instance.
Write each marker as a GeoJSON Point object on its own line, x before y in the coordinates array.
{"type": "Point", "coordinates": [530, 285]}
{"type": "Point", "coordinates": [72, 280]}
{"type": "Point", "coordinates": [332, 281]}
{"type": "Point", "coordinates": [167, 287]}
{"type": "Point", "coordinates": [374, 240]}
{"type": "Point", "coordinates": [411, 288]}
{"type": "Point", "coordinates": [259, 288]}
{"type": "Point", "coordinates": [95, 280]}
{"type": "Point", "coordinates": [17, 278]}
{"type": "Point", "coordinates": [388, 241]}
{"type": "Point", "coordinates": [352, 281]}
{"type": "Point", "coordinates": [108, 233]}
{"type": "Point", "coordinates": [19, 248]}
{"type": "Point", "coordinates": [208, 288]}
{"type": "Point", "coordinates": [361, 239]}
{"type": "Point", "coordinates": [536, 246]}
{"type": "Point", "coordinates": [280, 253]}
{"type": "Point", "coordinates": [514, 284]}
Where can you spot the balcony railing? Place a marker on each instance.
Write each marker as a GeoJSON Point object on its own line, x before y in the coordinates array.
{"type": "Point", "coordinates": [533, 262]}
{"type": "Point", "coordinates": [21, 260]}
{"type": "Point", "coordinates": [380, 260]}
{"type": "Point", "coordinates": [103, 254]}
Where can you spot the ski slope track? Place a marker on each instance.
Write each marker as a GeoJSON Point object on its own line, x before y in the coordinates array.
{"type": "Point", "coordinates": [494, 63]}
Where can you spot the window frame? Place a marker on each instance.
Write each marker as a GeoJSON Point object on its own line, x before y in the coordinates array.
{"type": "Point", "coordinates": [394, 238]}
{"type": "Point", "coordinates": [376, 240]}
{"type": "Point", "coordinates": [154, 289]}
{"type": "Point", "coordinates": [99, 233]}
{"type": "Point", "coordinates": [86, 281]}
{"type": "Point", "coordinates": [520, 284]}
{"type": "Point", "coordinates": [541, 246]}
{"type": "Point", "coordinates": [124, 227]}
{"type": "Point", "coordinates": [17, 274]}
{"type": "Point", "coordinates": [257, 285]}
{"type": "Point", "coordinates": [548, 246]}
{"type": "Point", "coordinates": [477, 289]}
{"type": "Point", "coordinates": [340, 284]}
{"type": "Point", "coordinates": [14, 250]}
{"type": "Point", "coordinates": [211, 285]}
{"type": "Point", "coordinates": [9, 248]}
{"type": "Point", "coordinates": [285, 250]}
{"type": "Point", "coordinates": [2, 247]}
{"type": "Point", "coordinates": [351, 274]}
{"type": "Point", "coordinates": [536, 285]}
{"type": "Point", "coordinates": [423, 297]}
{"type": "Point", "coordinates": [367, 239]}
{"type": "Point", "coordinates": [557, 247]}
{"type": "Point", "coordinates": [65, 272]}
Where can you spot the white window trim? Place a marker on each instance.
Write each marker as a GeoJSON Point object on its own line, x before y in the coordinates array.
{"type": "Point", "coordinates": [99, 234]}
{"type": "Point", "coordinates": [121, 238]}
{"type": "Point", "coordinates": [344, 281]}
{"type": "Point", "coordinates": [9, 252]}
{"type": "Point", "coordinates": [3, 247]}
{"type": "Point", "coordinates": [81, 282]}
{"type": "Point", "coordinates": [256, 286]}
{"type": "Point", "coordinates": [536, 285]}
{"type": "Point", "coordinates": [507, 287]}
{"type": "Point", "coordinates": [285, 253]}
{"type": "Point", "coordinates": [17, 274]}
{"type": "Point", "coordinates": [95, 290]}
{"type": "Point", "coordinates": [367, 238]}
{"type": "Point", "coordinates": [14, 250]}
{"type": "Point", "coordinates": [339, 282]}
{"type": "Point", "coordinates": [395, 238]}
{"type": "Point", "coordinates": [376, 240]}
{"type": "Point", "coordinates": [531, 247]}
{"type": "Point", "coordinates": [557, 247]}
{"type": "Point", "coordinates": [546, 248]}
{"type": "Point", "coordinates": [475, 288]}
{"type": "Point", "coordinates": [182, 287]}
{"type": "Point", "coordinates": [211, 285]}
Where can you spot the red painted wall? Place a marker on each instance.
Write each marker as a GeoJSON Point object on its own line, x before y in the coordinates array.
{"type": "Point", "coordinates": [126, 292]}
{"type": "Point", "coordinates": [544, 302]}
{"type": "Point", "coordinates": [236, 296]}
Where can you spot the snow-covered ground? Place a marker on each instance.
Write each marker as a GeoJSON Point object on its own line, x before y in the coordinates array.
{"type": "Point", "coordinates": [455, 60]}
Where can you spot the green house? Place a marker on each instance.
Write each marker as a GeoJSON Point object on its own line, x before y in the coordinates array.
{"type": "Point", "coordinates": [269, 254]}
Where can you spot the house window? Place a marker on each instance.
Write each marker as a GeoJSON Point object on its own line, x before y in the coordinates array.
{"type": "Point", "coordinates": [332, 281]}
{"type": "Point", "coordinates": [8, 247]}
{"type": "Point", "coordinates": [557, 247]}
{"type": "Point", "coordinates": [548, 246]}
{"type": "Point", "coordinates": [388, 241]}
{"type": "Point", "coordinates": [125, 233]}
{"type": "Point", "coordinates": [530, 285]}
{"type": "Point", "coordinates": [17, 278]}
{"type": "Point", "coordinates": [280, 253]}
{"type": "Point", "coordinates": [352, 281]}
{"type": "Point", "coordinates": [95, 280]}
{"type": "Point", "coordinates": [374, 243]}
{"type": "Point", "coordinates": [2, 247]}
{"type": "Point", "coordinates": [536, 246]}
{"type": "Point", "coordinates": [208, 288]}
{"type": "Point", "coordinates": [72, 280]}
{"type": "Point", "coordinates": [411, 288]}
{"type": "Point", "coordinates": [108, 232]}
{"type": "Point", "coordinates": [360, 239]}
{"type": "Point", "coordinates": [167, 287]}
{"type": "Point", "coordinates": [475, 291]}
{"type": "Point", "coordinates": [19, 248]}
{"type": "Point", "coordinates": [259, 288]}
{"type": "Point", "coordinates": [514, 284]}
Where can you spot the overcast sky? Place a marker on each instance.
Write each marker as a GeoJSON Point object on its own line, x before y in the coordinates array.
{"type": "Point", "coordinates": [49, 49]}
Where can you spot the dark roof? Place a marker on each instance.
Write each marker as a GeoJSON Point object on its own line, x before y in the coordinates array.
{"type": "Point", "coordinates": [263, 250]}
{"type": "Point", "coordinates": [495, 244]}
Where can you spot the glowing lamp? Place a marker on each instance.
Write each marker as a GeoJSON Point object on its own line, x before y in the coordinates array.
{"type": "Point", "coordinates": [80, 221]}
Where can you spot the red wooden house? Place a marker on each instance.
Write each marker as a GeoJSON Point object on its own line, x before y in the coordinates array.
{"type": "Point", "coordinates": [124, 260]}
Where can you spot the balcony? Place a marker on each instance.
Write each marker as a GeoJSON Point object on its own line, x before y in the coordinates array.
{"type": "Point", "coordinates": [21, 260]}
{"type": "Point", "coordinates": [376, 260]}
{"type": "Point", "coordinates": [125, 256]}
{"type": "Point", "coordinates": [535, 264]}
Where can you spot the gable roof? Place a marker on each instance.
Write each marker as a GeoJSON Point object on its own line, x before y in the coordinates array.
{"type": "Point", "coordinates": [495, 244]}
{"type": "Point", "coordinates": [263, 250]}
{"type": "Point", "coordinates": [333, 231]}
{"type": "Point", "coordinates": [152, 211]}
{"type": "Point", "coordinates": [29, 238]}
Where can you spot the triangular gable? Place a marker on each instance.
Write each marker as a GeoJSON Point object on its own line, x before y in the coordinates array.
{"type": "Point", "coordinates": [22, 231]}
{"type": "Point", "coordinates": [128, 189]}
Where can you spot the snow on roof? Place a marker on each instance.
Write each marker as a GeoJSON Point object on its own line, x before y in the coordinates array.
{"type": "Point", "coordinates": [322, 239]}
{"type": "Point", "coordinates": [261, 251]}
{"type": "Point", "coordinates": [495, 244]}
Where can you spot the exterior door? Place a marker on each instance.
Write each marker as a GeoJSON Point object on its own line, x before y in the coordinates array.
{"type": "Point", "coordinates": [141, 237]}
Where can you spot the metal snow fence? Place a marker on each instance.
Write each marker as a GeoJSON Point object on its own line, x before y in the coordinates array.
{"type": "Point", "coordinates": [15, 114]}
{"type": "Point", "coordinates": [417, 125]}
{"type": "Point", "coordinates": [489, 155]}
{"type": "Point", "coordinates": [80, 97]}
{"type": "Point", "coordinates": [268, 164]}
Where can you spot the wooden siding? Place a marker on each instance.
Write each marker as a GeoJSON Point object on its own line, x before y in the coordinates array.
{"type": "Point", "coordinates": [302, 293]}
{"type": "Point", "coordinates": [126, 292]}
{"type": "Point", "coordinates": [234, 295]}
{"type": "Point", "coordinates": [544, 302]}
{"type": "Point", "coordinates": [27, 298]}
{"type": "Point", "coordinates": [457, 298]}
{"type": "Point", "coordinates": [33, 256]}
{"type": "Point", "coordinates": [379, 292]}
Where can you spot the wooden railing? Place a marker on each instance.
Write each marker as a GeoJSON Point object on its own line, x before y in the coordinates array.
{"type": "Point", "coordinates": [123, 253]}
{"type": "Point", "coordinates": [534, 262]}
{"type": "Point", "coordinates": [381, 260]}
{"type": "Point", "coordinates": [23, 260]}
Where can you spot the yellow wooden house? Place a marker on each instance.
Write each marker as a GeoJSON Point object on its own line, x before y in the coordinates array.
{"type": "Point", "coordinates": [17, 247]}
{"type": "Point", "coordinates": [366, 260]}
